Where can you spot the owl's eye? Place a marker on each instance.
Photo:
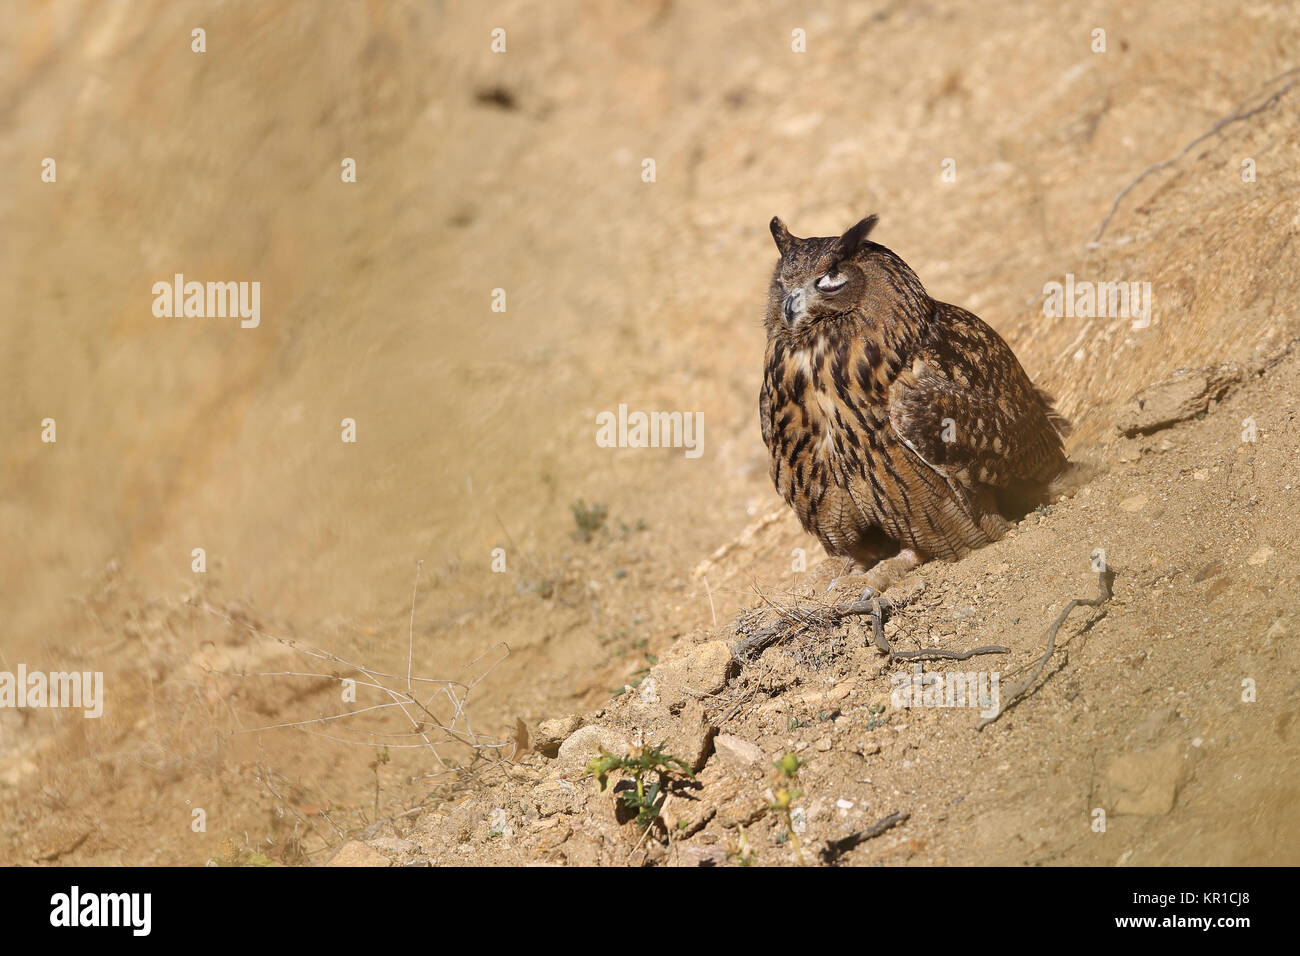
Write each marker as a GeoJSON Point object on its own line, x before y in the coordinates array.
{"type": "Point", "coordinates": [830, 283]}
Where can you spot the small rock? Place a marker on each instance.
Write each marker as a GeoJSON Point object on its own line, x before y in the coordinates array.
{"type": "Point", "coordinates": [648, 691]}
{"type": "Point", "coordinates": [1260, 557]}
{"type": "Point", "coordinates": [704, 672]}
{"type": "Point", "coordinates": [735, 752]}
{"type": "Point", "coordinates": [498, 824]}
{"type": "Point", "coordinates": [824, 744]}
{"type": "Point", "coordinates": [691, 739]}
{"type": "Point", "coordinates": [551, 733]}
{"type": "Point", "coordinates": [585, 744]}
{"type": "Point", "coordinates": [742, 811]}
{"type": "Point", "coordinates": [710, 667]}
{"type": "Point", "coordinates": [839, 692]}
{"type": "Point", "coordinates": [356, 853]}
{"type": "Point", "coordinates": [685, 815]}
{"type": "Point", "coordinates": [1135, 503]}
{"type": "Point", "coordinates": [1183, 395]}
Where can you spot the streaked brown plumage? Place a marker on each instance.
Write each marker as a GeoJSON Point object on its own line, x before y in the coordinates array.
{"type": "Point", "coordinates": [900, 428]}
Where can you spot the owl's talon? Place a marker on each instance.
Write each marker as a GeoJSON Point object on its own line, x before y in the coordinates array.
{"type": "Point", "coordinates": [846, 579]}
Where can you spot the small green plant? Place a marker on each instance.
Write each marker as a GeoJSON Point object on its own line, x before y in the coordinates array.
{"type": "Point", "coordinates": [877, 721]}
{"type": "Point", "coordinates": [589, 519]}
{"type": "Point", "coordinates": [784, 795]}
{"type": "Point", "coordinates": [646, 798]}
{"type": "Point", "coordinates": [233, 857]}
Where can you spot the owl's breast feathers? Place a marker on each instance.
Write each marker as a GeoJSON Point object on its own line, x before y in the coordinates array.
{"type": "Point", "coordinates": [912, 435]}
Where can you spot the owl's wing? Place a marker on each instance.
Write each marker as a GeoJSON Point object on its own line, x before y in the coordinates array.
{"type": "Point", "coordinates": [969, 410]}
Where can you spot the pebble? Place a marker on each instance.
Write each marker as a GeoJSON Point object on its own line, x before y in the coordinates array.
{"type": "Point", "coordinates": [735, 752]}
{"type": "Point", "coordinates": [551, 733]}
{"type": "Point", "coordinates": [1260, 557]}
{"type": "Point", "coordinates": [585, 744]}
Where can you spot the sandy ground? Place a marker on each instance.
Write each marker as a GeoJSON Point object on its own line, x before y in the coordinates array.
{"type": "Point", "coordinates": [476, 429]}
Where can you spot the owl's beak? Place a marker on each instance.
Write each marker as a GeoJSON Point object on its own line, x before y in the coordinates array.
{"type": "Point", "coordinates": [792, 306]}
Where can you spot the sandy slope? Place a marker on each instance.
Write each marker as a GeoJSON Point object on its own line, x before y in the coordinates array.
{"type": "Point", "coordinates": [522, 171]}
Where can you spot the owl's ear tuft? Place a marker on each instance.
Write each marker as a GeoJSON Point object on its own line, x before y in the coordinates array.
{"type": "Point", "coordinates": [782, 235]}
{"type": "Point", "coordinates": [852, 240]}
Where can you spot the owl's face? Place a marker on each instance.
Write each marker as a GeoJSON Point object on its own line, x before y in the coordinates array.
{"type": "Point", "coordinates": [824, 280]}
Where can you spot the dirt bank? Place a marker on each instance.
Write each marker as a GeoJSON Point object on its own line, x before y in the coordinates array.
{"type": "Point", "coordinates": [476, 429]}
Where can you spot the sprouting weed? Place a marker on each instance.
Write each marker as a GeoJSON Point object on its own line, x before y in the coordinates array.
{"type": "Point", "coordinates": [784, 795]}
{"type": "Point", "coordinates": [647, 797]}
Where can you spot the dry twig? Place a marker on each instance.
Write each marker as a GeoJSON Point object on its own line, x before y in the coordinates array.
{"type": "Point", "coordinates": [798, 620]}
{"type": "Point", "coordinates": [430, 730]}
{"type": "Point", "coordinates": [1236, 116]}
{"type": "Point", "coordinates": [1106, 580]}
{"type": "Point", "coordinates": [837, 848]}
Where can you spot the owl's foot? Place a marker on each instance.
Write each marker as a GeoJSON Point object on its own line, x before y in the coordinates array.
{"type": "Point", "coordinates": [854, 578]}
{"type": "Point", "coordinates": [882, 575]}
{"type": "Point", "coordinates": [877, 609]}
{"type": "Point", "coordinates": [868, 592]}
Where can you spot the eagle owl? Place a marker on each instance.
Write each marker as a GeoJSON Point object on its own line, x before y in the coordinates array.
{"type": "Point", "coordinates": [900, 428]}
